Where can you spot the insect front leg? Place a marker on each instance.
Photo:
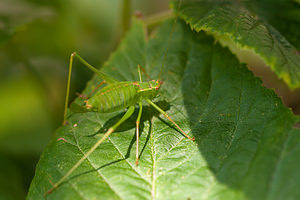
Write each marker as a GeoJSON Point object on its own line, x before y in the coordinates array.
{"type": "Point", "coordinates": [167, 116]}
{"type": "Point", "coordinates": [139, 73]}
{"type": "Point", "coordinates": [144, 71]}
{"type": "Point", "coordinates": [137, 132]}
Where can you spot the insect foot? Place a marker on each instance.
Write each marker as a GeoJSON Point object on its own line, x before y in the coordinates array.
{"type": "Point", "coordinates": [88, 106]}
{"type": "Point", "coordinates": [65, 123]}
{"type": "Point", "coordinates": [82, 96]}
{"type": "Point", "coordinates": [63, 139]}
{"type": "Point", "coordinates": [139, 15]}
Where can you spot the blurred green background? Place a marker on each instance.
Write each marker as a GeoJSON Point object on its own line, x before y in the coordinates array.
{"type": "Point", "coordinates": [36, 40]}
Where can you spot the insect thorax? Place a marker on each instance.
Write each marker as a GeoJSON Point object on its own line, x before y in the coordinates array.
{"type": "Point", "coordinates": [148, 90]}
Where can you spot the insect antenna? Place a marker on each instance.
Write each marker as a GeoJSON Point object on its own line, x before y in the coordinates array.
{"type": "Point", "coordinates": [168, 45]}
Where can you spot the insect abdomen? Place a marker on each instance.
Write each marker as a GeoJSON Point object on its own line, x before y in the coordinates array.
{"type": "Point", "coordinates": [113, 97]}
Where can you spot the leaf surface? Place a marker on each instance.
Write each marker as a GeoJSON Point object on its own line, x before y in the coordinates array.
{"type": "Point", "coordinates": [269, 28]}
{"type": "Point", "coordinates": [245, 145]}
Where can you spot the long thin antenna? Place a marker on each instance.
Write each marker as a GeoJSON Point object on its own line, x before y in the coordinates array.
{"type": "Point", "coordinates": [168, 45]}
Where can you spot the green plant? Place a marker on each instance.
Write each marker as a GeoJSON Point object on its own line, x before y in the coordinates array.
{"type": "Point", "coordinates": [246, 146]}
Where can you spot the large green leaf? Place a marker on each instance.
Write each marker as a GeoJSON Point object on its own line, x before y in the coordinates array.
{"type": "Point", "coordinates": [245, 145]}
{"type": "Point", "coordinates": [262, 26]}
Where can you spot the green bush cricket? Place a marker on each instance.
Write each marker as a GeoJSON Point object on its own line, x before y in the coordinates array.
{"type": "Point", "coordinates": [113, 97]}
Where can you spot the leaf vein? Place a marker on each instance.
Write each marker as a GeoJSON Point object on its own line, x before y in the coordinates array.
{"type": "Point", "coordinates": [98, 172]}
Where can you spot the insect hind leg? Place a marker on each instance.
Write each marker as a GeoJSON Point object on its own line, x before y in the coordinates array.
{"type": "Point", "coordinates": [68, 88]}
{"type": "Point", "coordinates": [137, 132]}
{"type": "Point", "coordinates": [85, 97]}
{"type": "Point", "coordinates": [105, 77]}
{"type": "Point", "coordinates": [93, 148]}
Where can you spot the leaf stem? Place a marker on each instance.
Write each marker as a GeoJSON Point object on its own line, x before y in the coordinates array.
{"type": "Point", "coordinates": [158, 18]}
{"type": "Point", "coordinates": [126, 15]}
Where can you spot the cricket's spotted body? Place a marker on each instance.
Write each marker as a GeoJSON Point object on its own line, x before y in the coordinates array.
{"type": "Point", "coordinates": [121, 95]}
{"type": "Point", "coordinates": [113, 97]}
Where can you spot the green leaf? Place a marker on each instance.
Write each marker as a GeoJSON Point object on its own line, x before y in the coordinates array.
{"type": "Point", "coordinates": [282, 15]}
{"type": "Point", "coordinates": [245, 145]}
{"type": "Point", "coordinates": [252, 25]}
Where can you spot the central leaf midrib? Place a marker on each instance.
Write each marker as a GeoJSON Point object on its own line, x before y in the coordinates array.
{"type": "Point", "coordinates": [128, 161]}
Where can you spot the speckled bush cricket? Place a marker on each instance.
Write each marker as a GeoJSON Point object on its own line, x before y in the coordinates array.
{"type": "Point", "coordinates": [113, 97]}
